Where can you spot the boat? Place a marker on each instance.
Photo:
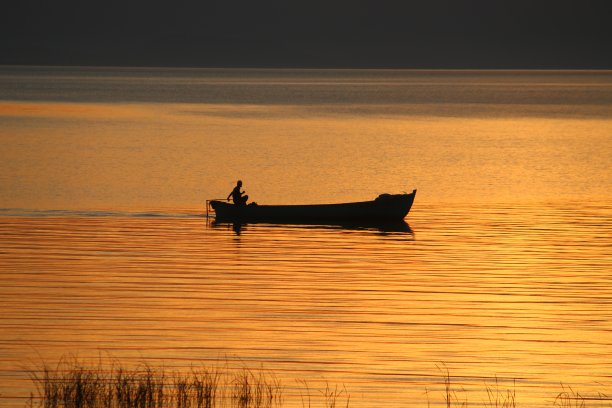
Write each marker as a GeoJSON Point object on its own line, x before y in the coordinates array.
{"type": "Point", "coordinates": [386, 207]}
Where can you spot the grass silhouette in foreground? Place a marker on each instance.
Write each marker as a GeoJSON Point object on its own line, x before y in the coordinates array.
{"type": "Point", "coordinates": [72, 384]}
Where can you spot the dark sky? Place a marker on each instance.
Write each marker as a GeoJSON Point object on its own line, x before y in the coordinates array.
{"type": "Point", "coordinates": [313, 33]}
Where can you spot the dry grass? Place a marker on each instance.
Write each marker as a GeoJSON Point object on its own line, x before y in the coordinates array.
{"type": "Point", "coordinates": [498, 398]}
{"type": "Point", "coordinates": [255, 390]}
{"type": "Point", "coordinates": [568, 398]}
{"type": "Point", "coordinates": [457, 397]}
{"type": "Point", "coordinates": [72, 384]}
{"type": "Point", "coordinates": [451, 395]}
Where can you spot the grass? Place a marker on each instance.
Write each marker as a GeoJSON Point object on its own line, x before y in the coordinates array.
{"type": "Point", "coordinates": [568, 398]}
{"type": "Point", "coordinates": [498, 398]}
{"type": "Point", "coordinates": [506, 398]}
{"type": "Point", "coordinates": [73, 384]}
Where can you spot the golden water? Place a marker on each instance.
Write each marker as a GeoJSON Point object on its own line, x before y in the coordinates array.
{"type": "Point", "coordinates": [504, 272]}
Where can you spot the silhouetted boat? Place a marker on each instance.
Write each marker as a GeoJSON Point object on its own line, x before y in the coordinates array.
{"type": "Point", "coordinates": [386, 207]}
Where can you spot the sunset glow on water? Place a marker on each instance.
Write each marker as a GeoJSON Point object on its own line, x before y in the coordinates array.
{"type": "Point", "coordinates": [502, 271]}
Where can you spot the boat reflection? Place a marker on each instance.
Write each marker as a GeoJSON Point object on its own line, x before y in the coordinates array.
{"type": "Point", "coordinates": [382, 227]}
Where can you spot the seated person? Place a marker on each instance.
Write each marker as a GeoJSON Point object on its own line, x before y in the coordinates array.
{"type": "Point", "coordinates": [237, 195]}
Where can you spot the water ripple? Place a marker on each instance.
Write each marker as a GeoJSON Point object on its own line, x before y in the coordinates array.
{"type": "Point", "coordinates": [519, 293]}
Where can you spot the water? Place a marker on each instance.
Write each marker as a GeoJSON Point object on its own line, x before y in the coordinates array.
{"type": "Point", "coordinates": [502, 271]}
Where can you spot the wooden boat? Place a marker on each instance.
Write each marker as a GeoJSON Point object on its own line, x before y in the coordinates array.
{"type": "Point", "coordinates": [386, 207]}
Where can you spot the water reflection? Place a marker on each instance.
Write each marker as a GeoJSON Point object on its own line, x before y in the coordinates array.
{"type": "Point", "coordinates": [511, 292]}
{"type": "Point", "coordinates": [381, 226]}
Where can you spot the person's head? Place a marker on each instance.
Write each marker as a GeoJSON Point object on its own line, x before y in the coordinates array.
{"type": "Point", "coordinates": [239, 183]}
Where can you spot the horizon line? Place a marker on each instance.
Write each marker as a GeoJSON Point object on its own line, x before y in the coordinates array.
{"type": "Point", "coordinates": [305, 68]}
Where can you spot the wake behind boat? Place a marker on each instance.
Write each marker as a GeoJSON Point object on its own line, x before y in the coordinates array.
{"type": "Point", "coordinates": [386, 207]}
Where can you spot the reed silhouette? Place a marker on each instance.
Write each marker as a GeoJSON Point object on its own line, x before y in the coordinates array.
{"type": "Point", "coordinates": [73, 384]}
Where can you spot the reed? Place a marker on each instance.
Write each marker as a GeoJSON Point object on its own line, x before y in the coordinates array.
{"type": "Point", "coordinates": [72, 384]}
{"type": "Point", "coordinates": [251, 390]}
{"type": "Point", "coordinates": [205, 384]}
{"type": "Point", "coordinates": [568, 398]}
{"type": "Point", "coordinates": [498, 398]}
{"type": "Point", "coordinates": [456, 397]}
{"type": "Point", "coordinates": [451, 398]}
{"type": "Point", "coordinates": [332, 396]}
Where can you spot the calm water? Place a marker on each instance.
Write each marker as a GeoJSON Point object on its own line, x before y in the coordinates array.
{"type": "Point", "coordinates": [503, 269]}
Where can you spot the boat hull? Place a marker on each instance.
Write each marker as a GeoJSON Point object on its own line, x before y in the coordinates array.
{"type": "Point", "coordinates": [387, 207]}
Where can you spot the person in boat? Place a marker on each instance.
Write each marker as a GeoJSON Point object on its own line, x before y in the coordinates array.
{"type": "Point", "coordinates": [237, 195]}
